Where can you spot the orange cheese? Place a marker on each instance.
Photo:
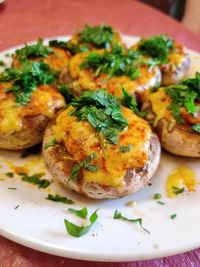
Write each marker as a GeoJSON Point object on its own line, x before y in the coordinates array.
{"type": "Point", "coordinates": [44, 100]}
{"type": "Point", "coordinates": [80, 140]}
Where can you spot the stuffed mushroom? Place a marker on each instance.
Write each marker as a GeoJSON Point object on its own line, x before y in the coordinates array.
{"type": "Point", "coordinates": [57, 58]}
{"type": "Point", "coordinates": [100, 149]}
{"type": "Point", "coordinates": [174, 112]}
{"type": "Point", "coordinates": [112, 70]}
{"type": "Point", "coordinates": [29, 100]}
{"type": "Point", "coordinates": [171, 57]}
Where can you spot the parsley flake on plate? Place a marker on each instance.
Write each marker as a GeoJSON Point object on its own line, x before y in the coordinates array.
{"type": "Point", "coordinates": [118, 216]}
{"type": "Point", "coordinates": [57, 198]}
{"type": "Point", "coordinates": [157, 196]}
{"type": "Point", "coordinates": [102, 111]}
{"type": "Point", "coordinates": [178, 190]}
{"type": "Point", "coordinates": [173, 216]}
{"type": "Point", "coordinates": [77, 231]}
{"type": "Point", "coordinates": [36, 179]}
{"type": "Point", "coordinates": [80, 213]}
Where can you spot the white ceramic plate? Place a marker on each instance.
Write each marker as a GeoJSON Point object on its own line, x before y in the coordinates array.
{"type": "Point", "coordinates": [29, 219]}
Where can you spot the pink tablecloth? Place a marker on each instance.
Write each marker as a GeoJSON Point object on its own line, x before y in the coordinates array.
{"type": "Point", "coordinates": [26, 20]}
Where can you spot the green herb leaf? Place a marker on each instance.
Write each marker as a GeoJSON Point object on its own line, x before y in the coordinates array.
{"type": "Point", "coordinates": [10, 174]}
{"type": "Point", "coordinates": [178, 190]}
{"type": "Point", "coordinates": [157, 196]}
{"type": "Point", "coordinates": [77, 231]}
{"type": "Point", "coordinates": [161, 202]}
{"type": "Point", "coordinates": [65, 91]}
{"type": "Point", "coordinates": [26, 79]}
{"type": "Point", "coordinates": [185, 94]}
{"type": "Point", "coordinates": [118, 216]}
{"type": "Point", "coordinates": [115, 63]}
{"type": "Point", "coordinates": [12, 188]}
{"type": "Point", "coordinates": [59, 44]}
{"type": "Point", "coordinates": [16, 207]}
{"type": "Point", "coordinates": [102, 111]}
{"type": "Point", "coordinates": [173, 216]}
{"type": "Point", "coordinates": [35, 179]}
{"type": "Point", "coordinates": [51, 143]}
{"type": "Point", "coordinates": [80, 213]}
{"type": "Point", "coordinates": [196, 128]}
{"type": "Point", "coordinates": [128, 148]}
{"type": "Point", "coordinates": [85, 164]}
{"type": "Point", "coordinates": [33, 51]}
{"type": "Point", "coordinates": [157, 47]}
{"type": "Point", "coordinates": [131, 103]}
{"type": "Point", "coordinates": [100, 36]}
{"type": "Point", "coordinates": [57, 198]}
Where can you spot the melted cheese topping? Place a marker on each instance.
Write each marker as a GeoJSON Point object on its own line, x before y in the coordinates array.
{"type": "Point", "coordinates": [181, 177]}
{"type": "Point", "coordinates": [58, 60]}
{"type": "Point", "coordinates": [159, 102]}
{"type": "Point", "coordinates": [80, 140]}
{"type": "Point", "coordinates": [44, 100]}
{"type": "Point", "coordinates": [177, 57]}
{"type": "Point", "coordinates": [85, 79]}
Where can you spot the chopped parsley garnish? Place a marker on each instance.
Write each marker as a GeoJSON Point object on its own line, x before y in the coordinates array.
{"type": "Point", "coordinates": [173, 216]}
{"type": "Point", "coordinates": [128, 148]}
{"type": "Point", "coordinates": [59, 44]}
{"type": "Point", "coordinates": [77, 231]}
{"type": "Point", "coordinates": [65, 91]}
{"type": "Point", "coordinates": [2, 63]}
{"type": "Point", "coordinates": [33, 51]}
{"type": "Point", "coordinates": [80, 213]}
{"type": "Point", "coordinates": [85, 164]}
{"type": "Point", "coordinates": [36, 179]}
{"type": "Point", "coordinates": [102, 111]}
{"type": "Point", "coordinates": [112, 63]}
{"type": "Point", "coordinates": [26, 80]}
{"type": "Point", "coordinates": [51, 143]}
{"type": "Point", "coordinates": [131, 103]}
{"type": "Point", "coordinates": [196, 128]}
{"type": "Point", "coordinates": [69, 45]}
{"type": "Point", "coordinates": [157, 47]}
{"type": "Point", "coordinates": [178, 190]}
{"type": "Point", "coordinates": [34, 150]}
{"type": "Point", "coordinates": [16, 207]}
{"type": "Point", "coordinates": [10, 174]}
{"type": "Point", "coordinates": [185, 94]}
{"type": "Point", "coordinates": [157, 196]}
{"type": "Point", "coordinates": [100, 36]}
{"type": "Point", "coordinates": [118, 216]}
{"type": "Point", "coordinates": [12, 188]}
{"type": "Point", "coordinates": [57, 198]}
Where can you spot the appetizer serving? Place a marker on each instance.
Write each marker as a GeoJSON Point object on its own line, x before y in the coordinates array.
{"type": "Point", "coordinates": [29, 100]}
{"type": "Point", "coordinates": [170, 56]}
{"type": "Point", "coordinates": [174, 111]}
{"type": "Point", "coordinates": [117, 152]}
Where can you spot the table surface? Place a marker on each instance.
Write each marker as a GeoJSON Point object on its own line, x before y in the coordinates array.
{"type": "Point", "coordinates": [22, 21]}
